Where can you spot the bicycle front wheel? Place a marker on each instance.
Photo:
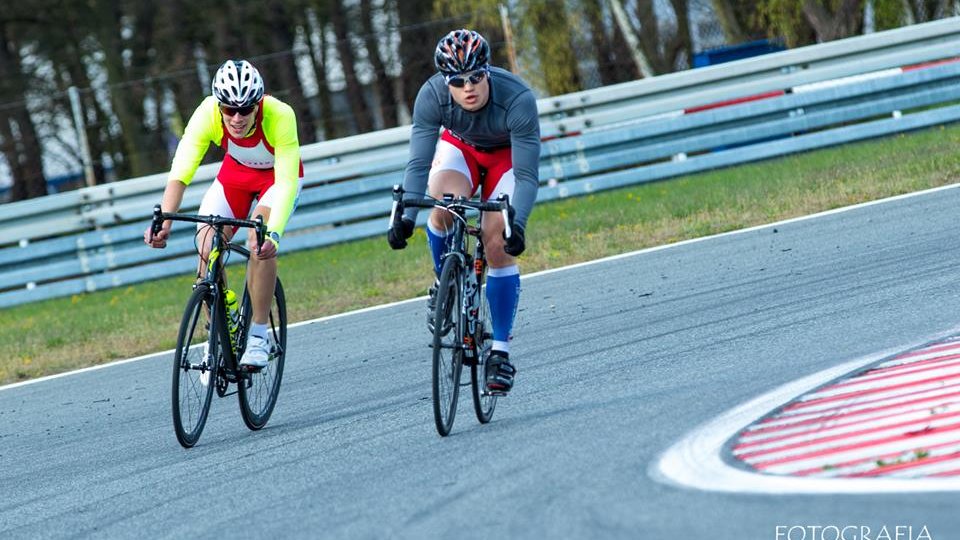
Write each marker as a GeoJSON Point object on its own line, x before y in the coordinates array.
{"type": "Point", "coordinates": [483, 402]}
{"type": "Point", "coordinates": [194, 368]}
{"type": "Point", "coordinates": [258, 391]}
{"type": "Point", "coordinates": [448, 331]}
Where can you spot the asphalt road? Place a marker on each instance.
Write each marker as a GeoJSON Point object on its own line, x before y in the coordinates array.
{"type": "Point", "coordinates": [617, 361]}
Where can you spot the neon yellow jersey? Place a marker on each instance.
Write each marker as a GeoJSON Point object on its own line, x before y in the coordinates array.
{"type": "Point", "coordinates": [270, 152]}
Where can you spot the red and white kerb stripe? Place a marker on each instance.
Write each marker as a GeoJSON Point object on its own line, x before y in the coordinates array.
{"type": "Point", "coordinates": [832, 83]}
{"type": "Point", "coordinates": [898, 419]}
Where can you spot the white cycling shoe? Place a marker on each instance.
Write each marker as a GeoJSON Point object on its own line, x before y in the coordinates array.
{"type": "Point", "coordinates": [257, 355]}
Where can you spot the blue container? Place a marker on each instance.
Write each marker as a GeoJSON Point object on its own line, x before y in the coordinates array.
{"type": "Point", "coordinates": [730, 53]}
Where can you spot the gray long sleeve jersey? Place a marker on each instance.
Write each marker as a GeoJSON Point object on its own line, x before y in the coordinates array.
{"type": "Point", "coordinates": [509, 118]}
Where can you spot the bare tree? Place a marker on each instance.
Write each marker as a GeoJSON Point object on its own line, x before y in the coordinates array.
{"type": "Point", "coordinates": [348, 60]}
{"type": "Point", "coordinates": [20, 145]}
{"type": "Point", "coordinates": [281, 70]}
{"type": "Point", "coordinates": [664, 52]}
{"type": "Point", "coordinates": [417, 41]}
{"type": "Point", "coordinates": [614, 63]}
{"type": "Point", "coordinates": [317, 29]}
{"type": "Point", "coordinates": [830, 24]}
{"type": "Point", "coordinates": [372, 39]}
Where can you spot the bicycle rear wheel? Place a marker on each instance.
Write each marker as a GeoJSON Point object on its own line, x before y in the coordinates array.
{"type": "Point", "coordinates": [194, 368]}
{"type": "Point", "coordinates": [258, 391]}
{"type": "Point", "coordinates": [447, 345]}
{"type": "Point", "coordinates": [483, 402]}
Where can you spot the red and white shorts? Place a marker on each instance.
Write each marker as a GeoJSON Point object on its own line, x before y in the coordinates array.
{"type": "Point", "coordinates": [232, 194]}
{"type": "Point", "coordinates": [494, 168]}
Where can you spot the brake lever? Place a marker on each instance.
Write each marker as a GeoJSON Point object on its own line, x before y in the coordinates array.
{"type": "Point", "coordinates": [505, 211]}
{"type": "Point", "coordinates": [157, 223]}
{"type": "Point", "coordinates": [396, 210]}
{"type": "Point", "coordinates": [260, 233]}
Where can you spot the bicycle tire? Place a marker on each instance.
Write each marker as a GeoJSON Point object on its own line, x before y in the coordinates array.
{"type": "Point", "coordinates": [194, 370]}
{"type": "Point", "coordinates": [447, 345]}
{"type": "Point", "coordinates": [258, 392]}
{"type": "Point", "coordinates": [483, 403]}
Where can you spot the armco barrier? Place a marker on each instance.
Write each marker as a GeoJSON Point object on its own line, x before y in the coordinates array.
{"type": "Point", "coordinates": [615, 136]}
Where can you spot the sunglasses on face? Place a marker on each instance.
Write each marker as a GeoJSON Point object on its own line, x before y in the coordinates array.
{"type": "Point", "coordinates": [459, 81]}
{"type": "Point", "coordinates": [229, 112]}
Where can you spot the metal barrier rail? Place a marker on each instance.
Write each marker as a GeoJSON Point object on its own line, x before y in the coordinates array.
{"type": "Point", "coordinates": [346, 194]}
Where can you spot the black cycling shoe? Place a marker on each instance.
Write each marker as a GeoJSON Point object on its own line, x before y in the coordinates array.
{"type": "Point", "coordinates": [500, 372]}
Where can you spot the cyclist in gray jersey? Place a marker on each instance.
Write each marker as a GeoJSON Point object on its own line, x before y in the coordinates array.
{"type": "Point", "coordinates": [490, 142]}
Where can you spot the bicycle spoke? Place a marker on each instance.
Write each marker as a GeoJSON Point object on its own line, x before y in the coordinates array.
{"type": "Point", "coordinates": [194, 372]}
{"type": "Point", "coordinates": [258, 395]}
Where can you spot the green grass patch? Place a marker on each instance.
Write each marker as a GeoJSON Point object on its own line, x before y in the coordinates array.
{"type": "Point", "coordinates": [63, 334]}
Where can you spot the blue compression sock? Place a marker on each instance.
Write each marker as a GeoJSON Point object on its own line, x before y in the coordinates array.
{"type": "Point", "coordinates": [437, 240]}
{"type": "Point", "coordinates": [503, 295]}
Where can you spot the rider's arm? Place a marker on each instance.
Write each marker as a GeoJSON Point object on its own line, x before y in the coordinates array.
{"type": "Point", "coordinates": [524, 124]}
{"type": "Point", "coordinates": [203, 128]}
{"type": "Point", "coordinates": [280, 128]}
{"type": "Point", "coordinates": [423, 144]}
{"type": "Point", "coordinates": [172, 196]}
{"type": "Point", "coordinates": [197, 136]}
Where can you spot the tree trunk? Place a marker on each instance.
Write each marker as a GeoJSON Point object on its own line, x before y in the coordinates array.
{"type": "Point", "coordinates": [358, 104]}
{"type": "Point", "coordinates": [679, 45]}
{"type": "Point", "coordinates": [384, 86]}
{"type": "Point", "coordinates": [282, 36]}
{"type": "Point", "coordinates": [318, 58]}
{"type": "Point", "coordinates": [727, 15]}
{"type": "Point", "coordinates": [20, 144]}
{"type": "Point", "coordinates": [650, 36]}
{"type": "Point", "coordinates": [560, 66]}
{"type": "Point", "coordinates": [600, 42]}
{"type": "Point", "coordinates": [417, 42]}
{"type": "Point", "coordinates": [828, 26]}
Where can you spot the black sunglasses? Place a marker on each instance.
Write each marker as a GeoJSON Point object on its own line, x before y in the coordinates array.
{"type": "Point", "coordinates": [459, 81]}
{"type": "Point", "coordinates": [229, 112]}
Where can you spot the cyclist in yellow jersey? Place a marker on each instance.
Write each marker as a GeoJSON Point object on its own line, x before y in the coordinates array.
{"type": "Point", "coordinates": [262, 163]}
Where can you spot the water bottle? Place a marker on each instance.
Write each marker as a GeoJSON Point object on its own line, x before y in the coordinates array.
{"type": "Point", "coordinates": [233, 314]}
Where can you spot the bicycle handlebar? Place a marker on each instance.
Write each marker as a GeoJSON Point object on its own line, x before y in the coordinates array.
{"type": "Point", "coordinates": [159, 216]}
{"type": "Point", "coordinates": [502, 205]}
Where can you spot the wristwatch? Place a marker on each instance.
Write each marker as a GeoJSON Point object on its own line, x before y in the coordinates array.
{"type": "Point", "coordinates": [273, 235]}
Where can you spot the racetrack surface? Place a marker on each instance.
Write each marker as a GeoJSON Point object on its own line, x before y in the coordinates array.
{"type": "Point", "coordinates": [617, 361]}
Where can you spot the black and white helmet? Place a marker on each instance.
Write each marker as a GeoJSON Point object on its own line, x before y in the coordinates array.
{"type": "Point", "coordinates": [237, 84]}
{"type": "Point", "coordinates": [461, 51]}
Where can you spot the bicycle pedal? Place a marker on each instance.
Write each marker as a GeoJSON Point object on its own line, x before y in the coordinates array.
{"type": "Point", "coordinates": [494, 393]}
{"type": "Point", "coordinates": [250, 369]}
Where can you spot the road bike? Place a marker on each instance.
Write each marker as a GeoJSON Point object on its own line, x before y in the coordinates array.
{"type": "Point", "coordinates": [212, 337]}
{"type": "Point", "coordinates": [462, 331]}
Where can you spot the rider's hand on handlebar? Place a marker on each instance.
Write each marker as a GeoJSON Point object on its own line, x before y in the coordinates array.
{"type": "Point", "coordinates": [399, 233]}
{"type": "Point", "coordinates": [158, 240]}
{"type": "Point", "coordinates": [268, 249]}
{"type": "Point", "coordinates": [516, 243]}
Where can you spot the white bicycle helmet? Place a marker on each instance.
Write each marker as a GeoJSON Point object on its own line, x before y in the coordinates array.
{"type": "Point", "coordinates": [237, 84]}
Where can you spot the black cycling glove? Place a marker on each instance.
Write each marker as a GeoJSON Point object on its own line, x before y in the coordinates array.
{"type": "Point", "coordinates": [515, 244]}
{"type": "Point", "coordinates": [398, 234]}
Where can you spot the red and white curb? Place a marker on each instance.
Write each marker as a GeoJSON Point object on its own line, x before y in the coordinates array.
{"type": "Point", "coordinates": [900, 419]}
{"type": "Point", "coordinates": [885, 423]}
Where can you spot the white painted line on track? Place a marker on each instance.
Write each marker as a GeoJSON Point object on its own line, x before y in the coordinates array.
{"type": "Point", "coordinates": [696, 461]}
{"type": "Point", "coordinates": [534, 275]}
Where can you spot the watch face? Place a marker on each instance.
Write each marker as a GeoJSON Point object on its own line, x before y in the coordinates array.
{"type": "Point", "coordinates": [275, 237]}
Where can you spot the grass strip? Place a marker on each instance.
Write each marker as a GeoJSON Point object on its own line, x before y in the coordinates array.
{"type": "Point", "coordinates": [63, 334]}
